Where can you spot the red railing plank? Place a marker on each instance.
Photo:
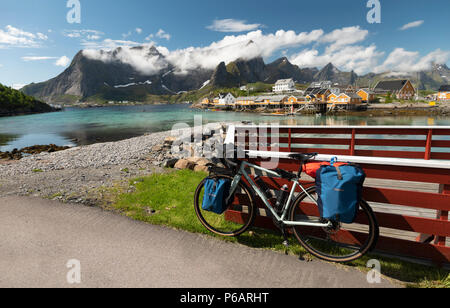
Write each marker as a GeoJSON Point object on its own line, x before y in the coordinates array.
{"type": "Point", "coordinates": [391, 143]}
{"type": "Point", "coordinates": [424, 200]}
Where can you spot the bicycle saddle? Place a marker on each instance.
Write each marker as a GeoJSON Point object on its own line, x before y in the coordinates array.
{"type": "Point", "coordinates": [303, 157]}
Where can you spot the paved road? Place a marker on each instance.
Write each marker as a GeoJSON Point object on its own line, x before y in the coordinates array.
{"type": "Point", "coordinates": [38, 238]}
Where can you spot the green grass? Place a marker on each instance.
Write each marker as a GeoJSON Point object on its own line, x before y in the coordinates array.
{"type": "Point", "coordinates": [37, 170]}
{"type": "Point", "coordinates": [167, 199]}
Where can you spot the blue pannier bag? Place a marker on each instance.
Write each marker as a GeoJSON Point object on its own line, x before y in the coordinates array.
{"type": "Point", "coordinates": [215, 193]}
{"type": "Point", "coordinates": [339, 190]}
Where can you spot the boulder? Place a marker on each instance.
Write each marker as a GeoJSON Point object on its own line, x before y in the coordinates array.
{"type": "Point", "coordinates": [199, 168]}
{"type": "Point", "coordinates": [184, 164]}
{"type": "Point", "coordinates": [170, 163]}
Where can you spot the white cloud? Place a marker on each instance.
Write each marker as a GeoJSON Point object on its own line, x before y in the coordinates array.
{"type": "Point", "coordinates": [42, 36]}
{"type": "Point", "coordinates": [18, 86]}
{"type": "Point", "coordinates": [84, 34]}
{"type": "Point", "coordinates": [108, 44]}
{"type": "Point", "coordinates": [413, 24]}
{"type": "Point", "coordinates": [140, 58]}
{"type": "Point", "coordinates": [345, 36]}
{"type": "Point", "coordinates": [343, 47]}
{"type": "Point", "coordinates": [14, 37]}
{"type": "Point", "coordinates": [357, 58]}
{"type": "Point", "coordinates": [232, 25]}
{"type": "Point", "coordinates": [63, 61]}
{"type": "Point", "coordinates": [139, 30]}
{"type": "Point", "coordinates": [403, 61]}
{"type": "Point", "coordinates": [247, 46]}
{"type": "Point", "coordinates": [162, 34]}
{"type": "Point", "coordinates": [37, 58]}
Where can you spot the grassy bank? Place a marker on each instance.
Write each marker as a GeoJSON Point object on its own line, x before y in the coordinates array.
{"type": "Point", "coordinates": [167, 199]}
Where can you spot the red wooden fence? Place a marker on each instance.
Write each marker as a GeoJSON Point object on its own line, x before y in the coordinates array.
{"type": "Point", "coordinates": [414, 154]}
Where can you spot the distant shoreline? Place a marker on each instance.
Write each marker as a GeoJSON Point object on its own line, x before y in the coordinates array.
{"type": "Point", "coordinates": [375, 110]}
{"type": "Point", "coordinates": [24, 113]}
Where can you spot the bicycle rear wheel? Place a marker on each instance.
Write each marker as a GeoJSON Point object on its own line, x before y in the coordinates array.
{"type": "Point", "coordinates": [340, 243]}
{"type": "Point", "coordinates": [221, 224]}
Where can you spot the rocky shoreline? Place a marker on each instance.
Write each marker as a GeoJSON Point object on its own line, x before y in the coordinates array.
{"type": "Point", "coordinates": [86, 174]}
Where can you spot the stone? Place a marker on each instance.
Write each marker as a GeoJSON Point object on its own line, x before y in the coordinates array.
{"type": "Point", "coordinates": [184, 164]}
{"type": "Point", "coordinates": [199, 168]}
{"type": "Point", "coordinates": [157, 148]}
{"type": "Point", "coordinates": [170, 163]}
{"type": "Point", "coordinates": [203, 162]}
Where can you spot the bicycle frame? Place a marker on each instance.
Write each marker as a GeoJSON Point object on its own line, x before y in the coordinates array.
{"type": "Point", "coordinates": [243, 172]}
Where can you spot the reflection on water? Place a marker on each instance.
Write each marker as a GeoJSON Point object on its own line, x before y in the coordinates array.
{"type": "Point", "coordinates": [5, 139]}
{"type": "Point", "coordinates": [76, 126]}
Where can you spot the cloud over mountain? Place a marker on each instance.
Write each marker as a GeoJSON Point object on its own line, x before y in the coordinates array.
{"type": "Point", "coordinates": [345, 47]}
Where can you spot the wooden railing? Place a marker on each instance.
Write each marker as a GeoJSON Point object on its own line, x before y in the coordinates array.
{"type": "Point", "coordinates": [417, 156]}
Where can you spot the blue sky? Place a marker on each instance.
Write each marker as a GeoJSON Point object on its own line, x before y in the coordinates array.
{"type": "Point", "coordinates": [37, 43]}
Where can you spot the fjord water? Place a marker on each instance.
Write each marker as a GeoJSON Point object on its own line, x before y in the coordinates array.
{"type": "Point", "coordinates": [76, 126]}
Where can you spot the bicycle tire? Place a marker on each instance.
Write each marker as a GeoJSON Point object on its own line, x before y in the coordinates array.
{"type": "Point", "coordinates": [214, 229]}
{"type": "Point", "coordinates": [310, 238]}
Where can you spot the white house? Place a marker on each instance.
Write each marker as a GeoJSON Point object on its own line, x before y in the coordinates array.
{"type": "Point", "coordinates": [284, 85]}
{"type": "Point", "coordinates": [225, 99]}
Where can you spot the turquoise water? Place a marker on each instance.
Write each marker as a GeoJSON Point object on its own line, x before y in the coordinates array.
{"type": "Point", "coordinates": [75, 126]}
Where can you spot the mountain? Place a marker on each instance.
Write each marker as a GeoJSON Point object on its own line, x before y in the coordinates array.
{"type": "Point", "coordinates": [283, 69]}
{"type": "Point", "coordinates": [241, 72]}
{"type": "Point", "coordinates": [332, 73]}
{"type": "Point", "coordinates": [13, 102]}
{"type": "Point", "coordinates": [143, 73]}
{"type": "Point", "coordinates": [113, 79]}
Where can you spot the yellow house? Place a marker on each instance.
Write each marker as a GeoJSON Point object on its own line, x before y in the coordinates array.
{"type": "Point", "coordinates": [332, 98]}
{"type": "Point", "coordinates": [206, 101]}
{"type": "Point", "coordinates": [348, 99]}
{"type": "Point", "coordinates": [444, 93]}
{"type": "Point", "coordinates": [295, 101]}
{"type": "Point", "coordinates": [366, 95]}
{"type": "Point", "coordinates": [246, 101]}
{"type": "Point", "coordinates": [323, 95]}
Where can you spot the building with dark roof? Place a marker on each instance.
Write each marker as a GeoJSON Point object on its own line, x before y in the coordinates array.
{"type": "Point", "coordinates": [402, 89]}
{"type": "Point", "coordinates": [444, 88]}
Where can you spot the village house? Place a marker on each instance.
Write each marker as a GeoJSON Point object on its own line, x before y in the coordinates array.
{"type": "Point", "coordinates": [284, 85]}
{"type": "Point", "coordinates": [332, 97]}
{"type": "Point", "coordinates": [225, 100]}
{"type": "Point", "coordinates": [295, 101]}
{"type": "Point", "coordinates": [401, 89]}
{"type": "Point", "coordinates": [366, 95]}
{"type": "Point", "coordinates": [444, 93]}
{"type": "Point", "coordinates": [347, 99]}
{"type": "Point", "coordinates": [206, 102]}
{"type": "Point", "coordinates": [277, 101]}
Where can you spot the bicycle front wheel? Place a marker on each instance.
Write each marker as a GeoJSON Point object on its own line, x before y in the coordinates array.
{"type": "Point", "coordinates": [339, 243]}
{"type": "Point", "coordinates": [234, 223]}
